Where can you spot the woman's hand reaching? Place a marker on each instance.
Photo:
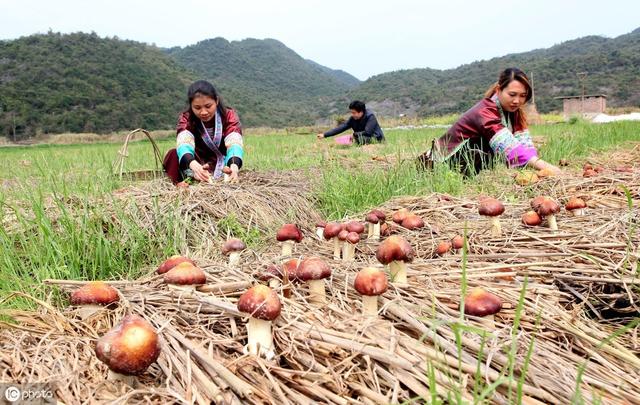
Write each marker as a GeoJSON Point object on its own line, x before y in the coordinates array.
{"type": "Point", "coordinates": [200, 172]}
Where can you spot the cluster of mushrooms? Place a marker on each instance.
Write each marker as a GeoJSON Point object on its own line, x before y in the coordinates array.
{"type": "Point", "coordinates": [131, 346]}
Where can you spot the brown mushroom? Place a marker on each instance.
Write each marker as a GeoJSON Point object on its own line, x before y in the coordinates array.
{"type": "Point", "coordinates": [589, 173]}
{"type": "Point", "coordinates": [92, 297]}
{"type": "Point", "coordinates": [548, 208]}
{"type": "Point", "coordinates": [263, 306]}
{"type": "Point", "coordinates": [442, 248]}
{"type": "Point", "coordinates": [412, 222]}
{"type": "Point", "coordinates": [373, 221]}
{"type": "Point", "coordinates": [400, 215]}
{"type": "Point", "coordinates": [531, 218]}
{"type": "Point", "coordinates": [396, 252]}
{"type": "Point", "coordinates": [492, 208]}
{"type": "Point", "coordinates": [483, 304]}
{"type": "Point", "coordinates": [331, 232]}
{"type": "Point", "coordinates": [128, 349]}
{"type": "Point", "coordinates": [575, 206]}
{"type": "Point", "coordinates": [342, 237]}
{"type": "Point", "coordinates": [457, 243]}
{"type": "Point", "coordinates": [350, 250]}
{"type": "Point", "coordinates": [370, 283]}
{"type": "Point", "coordinates": [288, 235]}
{"type": "Point", "coordinates": [172, 262]}
{"type": "Point", "coordinates": [313, 271]}
{"type": "Point", "coordinates": [233, 248]}
{"type": "Point", "coordinates": [185, 276]}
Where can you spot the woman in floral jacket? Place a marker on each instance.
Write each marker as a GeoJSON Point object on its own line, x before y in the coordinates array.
{"type": "Point", "coordinates": [209, 138]}
{"type": "Point", "coordinates": [495, 126]}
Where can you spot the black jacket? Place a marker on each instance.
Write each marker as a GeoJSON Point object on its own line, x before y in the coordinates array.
{"type": "Point", "coordinates": [365, 129]}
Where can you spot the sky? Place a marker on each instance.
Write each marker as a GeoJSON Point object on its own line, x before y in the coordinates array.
{"type": "Point", "coordinates": [363, 37]}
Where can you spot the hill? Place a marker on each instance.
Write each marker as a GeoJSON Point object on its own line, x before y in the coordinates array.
{"type": "Point", "coordinates": [267, 82]}
{"type": "Point", "coordinates": [612, 64]}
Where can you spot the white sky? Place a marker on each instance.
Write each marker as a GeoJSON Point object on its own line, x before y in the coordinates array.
{"type": "Point", "coordinates": [363, 37]}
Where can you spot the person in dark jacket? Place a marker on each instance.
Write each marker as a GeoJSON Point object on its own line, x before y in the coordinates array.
{"type": "Point", "coordinates": [363, 123]}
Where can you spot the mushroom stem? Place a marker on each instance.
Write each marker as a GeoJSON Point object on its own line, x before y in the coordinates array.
{"type": "Point", "coordinates": [336, 249]}
{"type": "Point", "coordinates": [260, 338]}
{"type": "Point", "coordinates": [234, 259]}
{"type": "Point", "coordinates": [370, 230]}
{"type": "Point", "coordinates": [376, 230]}
{"type": "Point", "coordinates": [578, 213]}
{"type": "Point", "coordinates": [488, 322]}
{"type": "Point", "coordinates": [226, 178]}
{"type": "Point", "coordinates": [87, 311]}
{"type": "Point", "coordinates": [287, 248]}
{"type": "Point", "coordinates": [496, 228]}
{"type": "Point", "coordinates": [349, 252]}
{"type": "Point", "coordinates": [182, 288]}
{"type": "Point", "coordinates": [130, 380]}
{"type": "Point", "coordinates": [345, 250]}
{"type": "Point", "coordinates": [551, 220]}
{"type": "Point", "coordinates": [274, 283]}
{"type": "Point", "coordinates": [398, 270]}
{"type": "Point", "coordinates": [316, 291]}
{"type": "Point", "coordinates": [370, 305]}
{"type": "Point", "coordinates": [320, 233]}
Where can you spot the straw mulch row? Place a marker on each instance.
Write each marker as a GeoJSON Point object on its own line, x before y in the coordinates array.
{"type": "Point", "coordinates": [581, 287]}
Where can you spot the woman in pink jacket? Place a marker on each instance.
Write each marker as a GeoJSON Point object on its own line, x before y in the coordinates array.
{"type": "Point", "coordinates": [209, 137]}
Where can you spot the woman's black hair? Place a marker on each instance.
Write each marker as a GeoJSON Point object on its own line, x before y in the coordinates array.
{"type": "Point", "coordinates": [204, 88]}
{"type": "Point", "coordinates": [357, 105]}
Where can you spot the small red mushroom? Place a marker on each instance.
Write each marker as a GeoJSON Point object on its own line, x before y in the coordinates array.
{"type": "Point", "coordinates": [483, 304]}
{"type": "Point", "coordinates": [575, 206]}
{"type": "Point", "coordinates": [331, 232]}
{"type": "Point", "coordinates": [172, 262]}
{"type": "Point", "coordinates": [92, 297]}
{"type": "Point", "coordinates": [531, 218]}
{"type": "Point", "coordinates": [396, 252]}
{"type": "Point", "coordinates": [263, 306]}
{"type": "Point", "coordinates": [185, 275]}
{"type": "Point", "coordinates": [370, 283]}
{"type": "Point", "coordinates": [412, 222]}
{"type": "Point", "coordinates": [289, 234]}
{"type": "Point", "coordinates": [492, 208]}
{"type": "Point", "coordinates": [233, 248]}
{"type": "Point", "coordinates": [313, 271]}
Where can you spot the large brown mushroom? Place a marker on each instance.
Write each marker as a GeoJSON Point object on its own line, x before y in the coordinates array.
{"type": "Point", "coordinates": [492, 208]}
{"type": "Point", "coordinates": [412, 222]}
{"type": "Point", "coordinates": [483, 304]}
{"type": "Point", "coordinates": [313, 271]}
{"type": "Point", "coordinates": [575, 206]}
{"type": "Point", "coordinates": [288, 235]}
{"type": "Point", "coordinates": [400, 215]}
{"type": "Point", "coordinates": [457, 243]}
{"type": "Point", "coordinates": [263, 306]}
{"type": "Point", "coordinates": [185, 276]}
{"type": "Point", "coordinates": [331, 232]}
{"type": "Point", "coordinates": [92, 297]}
{"type": "Point", "coordinates": [172, 262]}
{"type": "Point", "coordinates": [233, 248]}
{"type": "Point", "coordinates": [370, 283]}
{"type": "Point", "coordinates": [128, 349]}
{"type": "Point", "coordinates": [547, 207]}
{"type": "Point", "coordinates": [396, 252]}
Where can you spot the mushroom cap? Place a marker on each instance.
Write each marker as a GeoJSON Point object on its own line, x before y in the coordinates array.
{"type": "Point", "coordinates": [443, 247]}
{"type": "Point", "coordinates": [589, 173]}
{"type": "Point", "coordinates": [272, 271]}
{"type": "Point", "coordinates": [355, 226]}
{"type": "Point", "coordinates": [331, 230]}
{"type": "Point", "coordinates": [313, 268]}
{"type": "Point", "coordinates": [548, 206]}
{"type": "Point", "coordinates": [226, 170]}
{"type": "Point", "coordinates": [587, 166]}
{"type": "Point", "coordinates": [490, 207]}
{"type": "Point", "coordinates": [387, 229]}
{"type": "Point", "coordinates": [321, 224]}
{"type": "Point", "coordinates": [481, 303]}
{"type": "Point", "coordinates": [289, 232]}
{"type": "Point", "coordinates": [290, 268]}
{"type": "Point", "coordinates": [412, 222]}
{"type": "Point", "coordinates": [381, 215]}
{"type": "Point", "coordinates": [261, 302]}
{"type": "Point", "coordinates": [343, 235]}
{"type": "Point", "coordinates": [172, 262]}
{"type": "Point", "coordinates": [95, 292]}
{"type": "Point", "coordinates": [233, 245]}
{"type": "Point", "coordinates": [353, 238]}
{"type": "Point", "coordinates": [372, 218]}
{"type": "Point", "coordinates": [185, 274]}
{"type": "Point", "coordinates": [371, 281]}
{"type": "Point", "coordinates": [400, 215]}
{"type": "Point", "coordinates": [535, 203]}
{"type": "Point", "coordinates": [531, 218]}
{"type": "Point", "coordinates": [457, 242]}
{"type": "Point", "coordinates": [130, 347]}
{"type": "Point", "coordinates": [395, 248]}
{"type": "Point", "coordinates": [575, 203]}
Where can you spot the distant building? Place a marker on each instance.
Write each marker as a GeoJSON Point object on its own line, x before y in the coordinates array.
{"type": "Point", "coordinates": [590, 105]}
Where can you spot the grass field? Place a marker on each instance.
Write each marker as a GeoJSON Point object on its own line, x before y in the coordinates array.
{"type": "Point", "coordinates": [35, 246]}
